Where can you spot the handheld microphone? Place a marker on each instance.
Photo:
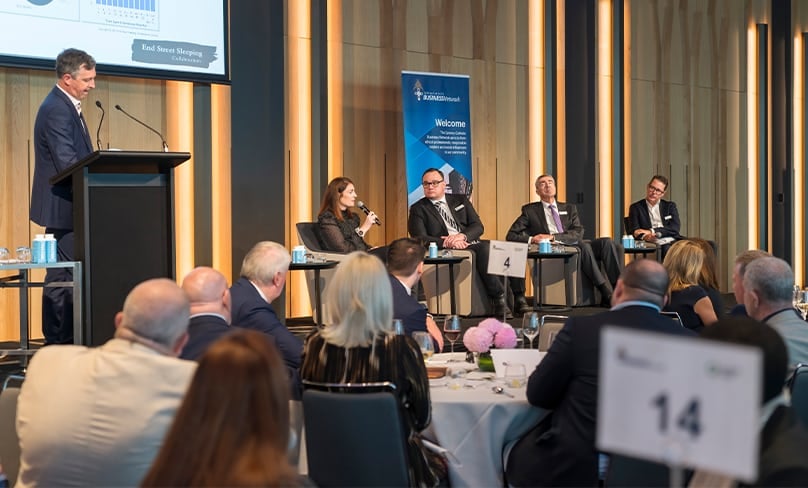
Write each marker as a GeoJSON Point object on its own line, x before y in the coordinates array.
{"type": "Point", "coordinates": [98, 132]}
{"type": "Point", "coordinates": [364, 208]}
{"type": "Point", "coordinates": [165, 144]}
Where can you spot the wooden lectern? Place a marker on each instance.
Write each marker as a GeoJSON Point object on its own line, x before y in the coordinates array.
{"type": "Point", "coordinates": [123, 217]}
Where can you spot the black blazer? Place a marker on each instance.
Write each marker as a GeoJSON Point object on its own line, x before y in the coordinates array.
{"type": "Point", "coordinates": [782, 459]}
{"type": "Point", "coordinates": [406, 308]}
{"type": "Point", "coordinates": [562, 449]}
{"type": "Point", "coordinates": [203, 330]}
{"type": "Point", "coordinates": [532, 221]}
{"type": "Point", "coordinates": [425, 222]}
{"type": "Point", "coordinates": [60, 140]}
{"type": "Point", "coordinates": [639, 218]}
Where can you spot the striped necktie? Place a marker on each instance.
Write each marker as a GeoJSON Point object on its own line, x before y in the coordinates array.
{"type": "Point", "coordinates": [450, 222]}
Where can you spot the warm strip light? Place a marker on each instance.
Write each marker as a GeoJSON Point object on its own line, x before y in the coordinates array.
{"type": "Point", "coordinates": [626, 107]}
{"type": "Point", "coordinates": [299, 121]}
{"type": "Point", "coordinates": [605, 118]}
{"type": "Point", "coordinates": [799, 158]}
{"type": "Point", "coordinates": [537, 156]}
{"type": "Point", "coordinates": [334, 87]}
{"type": "Point", "coordinates": [561, 104]}
{"type": "Point", "coordinates": [180, 129]}
{"type": "Point", "coordinates": [221, 211]}
{"type": "Point", "coordinates": [752, 94]}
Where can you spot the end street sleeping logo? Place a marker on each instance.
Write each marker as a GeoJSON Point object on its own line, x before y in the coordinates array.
{"type": "Point", "coordinates": [421, 94]}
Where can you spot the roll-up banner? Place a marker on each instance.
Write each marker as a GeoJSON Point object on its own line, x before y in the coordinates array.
{"type": "Point", "coordinates": [437, 130]}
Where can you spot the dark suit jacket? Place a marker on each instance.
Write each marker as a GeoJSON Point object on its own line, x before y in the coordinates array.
{"type": "Point", "coordinates": [561, 450]}
{"type": "Point", "coordinates": [782, 451]}
{"type": "Point", "coordinates": [425, 222]}
{"type": "Point", "coordinates": [406, 308]}
{"type": "Point", "coordinates": [203, 330]}
{"type": "Point", "coordinates": [639, 218]}
{"type": "Point", "coordinates": [59, 141]}
{"type": "Point", "coordinates": [251, 311]}
{"type": "Point", "coordinates": [532, 221]}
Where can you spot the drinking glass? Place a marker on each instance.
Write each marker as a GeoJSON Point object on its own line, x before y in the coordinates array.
{"type": "Point", "coordinates": [398, 327]}
{"type": "Point", "coordinates": [530, 326]}
{"type": "Point", "coordinates": [452, 329]}
{"type": "Point", "coordinates": [797, 297]}
{"type": "Point", "coordinates": [802, 305]}
{"type": "Point", "coordinates": [24, 254]}
{"type": "Point", "coordinates": [515, 376]}
{"type": "Point", "coordinates": [424, 341]}
{"type": "Point", "coordinates": [3, 254]}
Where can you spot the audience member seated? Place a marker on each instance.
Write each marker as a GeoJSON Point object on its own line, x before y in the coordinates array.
{"type": "Point", "coordinates": [232, 428]}
{"type": "Point", "coordinates": [405, 263]}
{"type": "Point", "coordinates": [653, 219]}
{"type": "Point", "coordinates": [684, 262]}
{"type": "Point", "coordinates": [742, 260]}
{"type": "Point", "coordinates": [360, 346]}
{"type": "Point", "coordinates": [338, 226]}
{"type": "Point", "coordinates": [782, 460]}
{"type": "Point", "coordinates": [708, 277]}
{"type": "Point", "coordinates": [207, 291]}
{"type": "Point", "coordinates": [98, 416]}
{"type": "Point", "coordinates": [560, 450]}
{"type": "Point", "coordinates": [768, 291]}
{"type": "Point", "coordinates": [263, 276]}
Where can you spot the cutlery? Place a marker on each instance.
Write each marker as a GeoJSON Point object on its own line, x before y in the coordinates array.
{"type": "Point", "coordinates": [501, 391]}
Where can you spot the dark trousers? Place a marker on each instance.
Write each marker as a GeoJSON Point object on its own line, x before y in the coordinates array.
{"type": "Point", "coordinates": [57, 301]}
{"type": "Point", "coordinates": [493, 283]}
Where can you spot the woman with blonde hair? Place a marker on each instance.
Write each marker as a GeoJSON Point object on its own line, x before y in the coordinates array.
{"type": "Point", "coordinates": [684, 263]}
{"type": "Point", "coordinates": [708, 278]}
{"type": "Point", "coordinates": [360, 346]}
{"type": "Point", "coordinates": [232, 428]}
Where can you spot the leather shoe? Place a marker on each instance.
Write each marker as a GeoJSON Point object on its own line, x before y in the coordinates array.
{"type": "Point", "coordinates": [501, 308]}
{"type": "Point", "coordinates": [520, 305]}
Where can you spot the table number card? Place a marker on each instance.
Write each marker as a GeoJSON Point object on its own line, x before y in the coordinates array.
{"type": "Point", "coordinates": [507, 258]}
{"type": "Point", "coordinates": [680, 401]}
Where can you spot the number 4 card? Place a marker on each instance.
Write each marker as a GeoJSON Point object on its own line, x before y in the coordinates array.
{"type": "Point", "coordinates": [680, 401]}
{"type": "Point", "coordinates": [507, 258]}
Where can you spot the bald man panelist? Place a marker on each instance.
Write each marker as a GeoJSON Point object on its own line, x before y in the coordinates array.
{"type": "Point", "coordinates": [101, 420]}
{"type": "Point", "coordinates": [209, 296]}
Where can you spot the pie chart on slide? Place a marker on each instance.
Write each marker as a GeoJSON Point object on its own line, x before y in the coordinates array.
{"type": "Point", "coordinates": [40, 2]}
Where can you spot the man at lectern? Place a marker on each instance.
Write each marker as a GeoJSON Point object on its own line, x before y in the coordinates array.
{"type": "Point", "coordinates": [61, 139]}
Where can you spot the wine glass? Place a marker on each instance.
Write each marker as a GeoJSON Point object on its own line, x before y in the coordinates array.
{"type": "Point", "coordinates": [424, 341]}
{"type": "Point", "coordinates": [530, 326]}
{"type": "Point", "coordinates": [797, 297]}
{"type": "Point", "coordinates": [452, 329]}
{"type": "Point", "coordinates": [802, 304]}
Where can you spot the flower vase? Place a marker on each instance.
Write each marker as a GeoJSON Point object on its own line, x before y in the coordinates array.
{"type": "Point", "coordinates": [485, 362]}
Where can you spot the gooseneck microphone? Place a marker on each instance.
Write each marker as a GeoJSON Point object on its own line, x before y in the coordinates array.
{"type": "Point", "coordinates": [364, 208]}
{"type": "Point", "coordinates": [165, 144]}
{"type": "Point", "coordinates": [98, 132]}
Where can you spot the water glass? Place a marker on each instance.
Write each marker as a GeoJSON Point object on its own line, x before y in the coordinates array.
{"type": "Point", "coordinates": [530, 326]}
{"type": "Point", "coordinates": [424, 341]}
{"type": "Point", "coordinates": [3, 254]}
{"type": "Point", "coordinates": [398, 327]}
{"type": "Point", "coordinates": [24, 254]}
{"type": "Point", "coordinates": [515, 376]}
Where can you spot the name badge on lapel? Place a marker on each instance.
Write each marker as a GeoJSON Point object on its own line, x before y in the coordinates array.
{"type": "Point", "coordinates": [459, 207]}
{"type": "Point", "coordinates": [668, 217]}
{"type": "Point", "coordinates": [562, 212]}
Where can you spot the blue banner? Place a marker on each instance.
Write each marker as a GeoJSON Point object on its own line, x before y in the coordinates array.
{"type": "Point", "coordinates": [437, 130]}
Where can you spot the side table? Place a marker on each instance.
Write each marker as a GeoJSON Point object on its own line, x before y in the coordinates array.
{"type": "Point", "coordinates": [316, 267]}
{"type": "Point", "coordinates": [450, 261]}
{"type": "Point", "coordinates": [537, 258]}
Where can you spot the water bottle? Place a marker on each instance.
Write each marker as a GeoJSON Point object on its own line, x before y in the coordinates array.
{"type": "Point", "coordinates": [50, 248]}
{"type": "Point", "coordinates": [433, 250]}
{"type": "Point", "coordinates": [628, 241]}
{"type": "Point", "coordinates": [545, 246]}
{"type": "Point", "coordinates": [299, 254]}
{"type": "Point", "coordinates": [38, 250]}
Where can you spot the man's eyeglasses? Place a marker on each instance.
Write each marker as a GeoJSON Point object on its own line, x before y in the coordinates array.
{"type": "Point", "coordinates": [655, 190]}
{"type": "Point", "coordinates": [427, 184]}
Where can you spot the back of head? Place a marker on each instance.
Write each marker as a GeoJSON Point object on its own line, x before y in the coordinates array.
{"type": "Point", "coordinates": [360, 300]}
{"type": "Point", "coordinates": [708, 275]}
{"type": "Point", "coordinates": [771, 279]}
{"type": "Point", "coordinates": [264, 261]}
{"type": "Point", "coordinates": [645, 279]}
{"type": "Point", "coordinates": [404, 255]}
{"type": "Point", "coordinates": [233, 426]}
{"type": "Point", "coordinates": [156, 309]}
{"type": "Point", "coordinates": [745, 257]}
{"type": "Point", "coordinates": [69, 61]}
{"type": "Point", "coordinates": [684, 262]}
{"type": "Point", "coordinates": [749, 332]}
{"type": "Point", "coordinates": [204, 285]}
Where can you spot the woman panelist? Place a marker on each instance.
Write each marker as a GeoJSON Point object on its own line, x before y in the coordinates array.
{"type": "Point", "coordinates": [339, 227]}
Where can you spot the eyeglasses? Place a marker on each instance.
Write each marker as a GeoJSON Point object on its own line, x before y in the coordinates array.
{"type": "Point", "coordinates": [427, 184]}
{"type": "Point", "coordinates": [656, 190]}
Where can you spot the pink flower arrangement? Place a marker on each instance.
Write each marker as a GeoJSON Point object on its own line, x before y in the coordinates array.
{"type": "Point", "coordinates": [490, 332]}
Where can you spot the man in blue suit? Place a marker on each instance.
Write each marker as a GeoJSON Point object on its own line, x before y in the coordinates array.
{"type": "Point", "coordinates": [405, 263]}
{"type": "Point", "coordinates": [209, 295]}
{"type": "Point", "coordinates": [61, 139]}
{"type": "Point", "coordinates": [263, 277]}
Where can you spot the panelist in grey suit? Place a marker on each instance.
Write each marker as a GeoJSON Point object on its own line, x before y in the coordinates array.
{"type": "Point", "coordinates": [60, 140]}
{"type": "Point", "coordinates": [451, 222]}
{"type": "Point", "coordinates": [557, 221]}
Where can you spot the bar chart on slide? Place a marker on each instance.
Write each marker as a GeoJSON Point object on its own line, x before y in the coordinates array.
{"type": "Point", "coordinates": [142, 14]}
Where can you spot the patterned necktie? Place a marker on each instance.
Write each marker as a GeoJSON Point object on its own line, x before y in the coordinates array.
{"type": "Point", "coordinates": [557, 219]}
{"type": "Point", "coordinates": [450, 222]}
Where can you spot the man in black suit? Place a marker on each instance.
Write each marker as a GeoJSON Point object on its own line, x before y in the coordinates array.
{"type": "Point", "coordinates": [60, 140]}
{"type": "Point", "coordinates": [263, 277]}
{"type": "Point", "coordinates": [653, 219]}
{"type": "Point", "coordinates": [405, 263]}
{"type": "Point", "coordinates": [451, 222]}
{"type": "Point", "coordinates": [541, 220]}
{"type": "Point", "coordinates": [560, 450]}
{"type": "Point", "coordinates": [209, 296]}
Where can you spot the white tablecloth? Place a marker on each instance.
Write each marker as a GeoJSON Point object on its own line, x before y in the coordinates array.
{"type": "Point", "coordinates": [474, 425]}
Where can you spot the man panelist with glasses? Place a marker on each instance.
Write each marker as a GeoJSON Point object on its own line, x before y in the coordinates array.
{"type": "Point", "coordinates": [653, 219]}
{"type": "Point", "coordinates": [451, 222]}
